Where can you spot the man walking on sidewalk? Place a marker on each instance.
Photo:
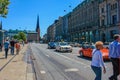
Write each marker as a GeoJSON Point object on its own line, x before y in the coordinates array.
{"type": "Point", "coordinates": [0, 47]}
{"type": "Point", "coordinates": [12, 44]}
{"type": "Point", "coordinates": [114, 54]}
{"type": "Point", "coordinates": [6, 47]}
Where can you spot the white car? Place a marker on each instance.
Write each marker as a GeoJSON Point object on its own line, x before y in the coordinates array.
{"type": "Point", "coordinates": [63, 47]}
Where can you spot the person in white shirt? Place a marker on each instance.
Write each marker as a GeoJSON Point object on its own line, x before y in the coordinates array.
{"type": "Point", "coordinates": [97, 61]}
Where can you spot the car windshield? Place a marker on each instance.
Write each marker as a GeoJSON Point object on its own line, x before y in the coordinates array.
{"type": "Point", "coordinates": [52, 43]}
{"type": "Point", "coordinates": [63, 44]}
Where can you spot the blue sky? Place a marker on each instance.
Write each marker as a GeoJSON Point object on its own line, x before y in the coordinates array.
{"type": "Point", "coordinates": [23, 13]}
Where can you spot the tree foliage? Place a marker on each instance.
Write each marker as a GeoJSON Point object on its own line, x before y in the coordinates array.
{"type": "Point", "coordinates": [20, 36]}
{"type": "Point", "coordinates": [16, 36]}
{"type": "Point", "coordinates": [4, 7]}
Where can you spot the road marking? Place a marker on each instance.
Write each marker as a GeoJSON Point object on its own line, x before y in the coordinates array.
{"type": "Point", "coordinates": [47, 55]}
{"type": "Point", "coordinates": [42, 72]}
{"type": "Point", "coordinates": [86, 66]}
{"type": "Point", "coordinates": [75, 54]}
{"type": "Point", "coordinates": [74, 60]}
{"type": "Point", "coordinates": [71, 70]}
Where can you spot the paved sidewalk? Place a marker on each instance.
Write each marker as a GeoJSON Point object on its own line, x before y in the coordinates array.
{"type": "Point", "coordinates": [13, 68]}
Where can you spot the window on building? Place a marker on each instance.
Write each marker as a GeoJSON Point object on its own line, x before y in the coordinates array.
{"type": "Point", "coordinates": [102, 22]}
{"type": "Point", "coordinates": [112, 32]}
{"type": "Point", "coordinates": [115, 5]}
{"type": "Point", "coordinates": [111, 7]}
{"type": "Point", "coordinates": [102, 10]}
{"type": "Point", "coordinates": [114, 19]}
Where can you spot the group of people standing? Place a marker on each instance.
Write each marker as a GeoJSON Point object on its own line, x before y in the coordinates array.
{"type": "Point", "coordinates": [114, 55]}
{"type": "Point", "coordinates": [11, 45]}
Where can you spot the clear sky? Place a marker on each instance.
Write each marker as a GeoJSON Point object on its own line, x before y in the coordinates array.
{"type": "Point", "coordinates": [23, 13]}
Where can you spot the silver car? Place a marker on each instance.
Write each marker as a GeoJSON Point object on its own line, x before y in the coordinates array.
{"type": "Point", "coordinates": [63, 47]}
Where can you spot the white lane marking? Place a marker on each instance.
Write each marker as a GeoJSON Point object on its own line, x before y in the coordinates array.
{"type": "Point", "coordinates": [74, 60]}
{"type": "Point", "coordinates": [86, 66]}
{"type": "Point", "coordinates": [71, 70]}
{"type": "Point", "coordinates": [47, 55]}
{"type": "Point", "coordinates": [42, 72]}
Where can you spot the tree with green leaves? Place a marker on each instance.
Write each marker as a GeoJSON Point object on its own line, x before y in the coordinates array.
{"type": "Point", "coordinates": [4, 7]}
{"type": "Point", "coordinates": [22, 36]}
{"type": "Point", "coordinates": [16, 36]}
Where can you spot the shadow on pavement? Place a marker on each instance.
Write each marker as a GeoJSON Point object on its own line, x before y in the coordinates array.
{"type": "Point", "coordinates": [2, 58]}
{"type": "Point", "coordinates": [86, 58]}
{"type": "Point", "coordinates": [90, 59]}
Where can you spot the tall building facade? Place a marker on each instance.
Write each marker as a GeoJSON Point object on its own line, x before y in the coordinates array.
{"type": "Point", "coordinates": [90, 21]}
{"type": "Point", "coordinates": [109, 19]}
{"type": "Point", "coordinates": [38, 29]}
{"type": "Point", "coordinates": [51, 33]}
{"type": "Point", "coordinates": [65, 35]}
{"type": "Point", "coordinates": [59, 29]}
{"type": "Point", "coordinates": [83, 22]}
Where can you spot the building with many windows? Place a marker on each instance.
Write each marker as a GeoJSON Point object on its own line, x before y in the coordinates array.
{"type": "Point", "coordinates": [109, 19]}
{"type": "Point", "coordinates": [83, 22]}
{"type": "Point", "coordinates": [51, 32]}
{"type": "Point", "coordinates": [90, 21]}
{"type": "Point", "coordinates": [58, 31]}
{"type": "Point", "coordinates": [32, 37]}
{"type": "Point", "coordinates": [65, 35]}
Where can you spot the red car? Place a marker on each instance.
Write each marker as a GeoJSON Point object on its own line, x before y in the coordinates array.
{"type": "Point", "coordinates": [87, 51]}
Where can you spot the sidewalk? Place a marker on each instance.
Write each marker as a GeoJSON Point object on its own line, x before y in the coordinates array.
{"type": "Point", "coordinates": [13, 68]}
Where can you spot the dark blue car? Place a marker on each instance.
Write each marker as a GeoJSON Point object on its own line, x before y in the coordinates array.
{"type": "Point", "coordinates": [51, 45]}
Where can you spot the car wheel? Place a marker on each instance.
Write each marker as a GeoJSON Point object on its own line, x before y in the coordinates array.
{"type": "Point", "coordinates": [48, 47]}
{"type": "Point", "coordinates": [56, 50]}
{"type": "Point", "coordinates": [70, 51]}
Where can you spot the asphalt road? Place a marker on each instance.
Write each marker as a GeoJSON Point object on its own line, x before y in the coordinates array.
{"type": "Point", "coordinates": [52, 65]}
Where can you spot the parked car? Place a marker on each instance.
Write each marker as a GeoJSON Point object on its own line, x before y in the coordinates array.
{"type": "Point", "coordinates": [87, 51]}
{"type": "Point", "coordinates": [51, 45]}
{"type": "Point", "coordinates": [106, 44]}
{"type": "Point", "coordinates": [74, 44]}
{"type": "Point", "coordinates": [63, 47]}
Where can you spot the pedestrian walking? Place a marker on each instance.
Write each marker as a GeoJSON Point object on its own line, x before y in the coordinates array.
{"type": "Point", "coordinates": [114, 54]}
{"type": "Point", "coordinates": [17, 46]}
{"type": "Point", "coordinates": [23, 43]}
{"type": "Point", "coordinates": [6, 47]}
{"type": "Point", "coordinates": [97, 61]}
{"type": "Point", "coordinates": [12, 44]}
{"type": "Point", "coordinates": [0, 47]}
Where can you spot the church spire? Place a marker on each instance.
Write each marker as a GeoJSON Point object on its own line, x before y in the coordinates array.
{"type": "Point", "coordinates": [38, 28]}
{"type": "Point", "coordinates": [37, 25]}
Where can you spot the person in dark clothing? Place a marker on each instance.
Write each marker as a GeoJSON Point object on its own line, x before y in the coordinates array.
{"type": "Point", "coordinates": [6, 47]}
{"type": "Point", "coordinates": [114, 54]}
{"type": "Point", "coordinates": [12, 45]}
{"type": "Point", "coordinates": [0, 47]}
